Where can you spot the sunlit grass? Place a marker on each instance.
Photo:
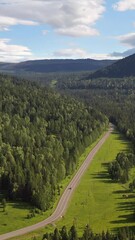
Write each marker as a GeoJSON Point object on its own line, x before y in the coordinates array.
{"type": "Point", "coordinates": [97, 200]}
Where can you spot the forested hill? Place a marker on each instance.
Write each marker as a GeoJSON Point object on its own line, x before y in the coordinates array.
{"type": "Point", "coordinates": [57, 65]}
{"type": "Point", "coordinates": [42, 135]}
{"type": "Point", "coordinates": [119, 69]}
{"type": "Point", "coordinates": [115, 97]}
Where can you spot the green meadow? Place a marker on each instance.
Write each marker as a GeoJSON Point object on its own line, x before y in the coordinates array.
{"type": "Point", "coordinates": [98, 201]}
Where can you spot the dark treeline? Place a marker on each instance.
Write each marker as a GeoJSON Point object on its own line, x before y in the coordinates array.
{"type": "Point", "coordinates": [99, 83]}
{"type": "Point", "coordinates": [42, 134]}
{"type": "Point", "coordinates": [88, 234]}
{"type": "Point", "coordinates": [51, 78]}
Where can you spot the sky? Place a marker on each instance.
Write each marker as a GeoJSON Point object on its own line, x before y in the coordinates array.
{"type": "Point", "coordinates": [61, 29]}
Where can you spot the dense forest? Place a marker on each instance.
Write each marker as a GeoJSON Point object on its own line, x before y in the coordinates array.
{"type": "Point", "coordinates": [122, 68]}
{"type": "Point", "coordinates": [110, 90]}
{"type": "Point", "coordinates": [115, 97]}
{"type": "Point", "coordinates": [42, 134]}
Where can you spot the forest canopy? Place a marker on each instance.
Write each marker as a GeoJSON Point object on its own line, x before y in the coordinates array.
{"type": "Point", "coordinates": [115, 97]}
{"type": "Point", "coordinates": [42, 134]}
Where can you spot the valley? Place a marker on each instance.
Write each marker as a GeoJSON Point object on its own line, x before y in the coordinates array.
{"type": "Point", "coordinates": [67, 120]}
{"type": "Point", "coordinates": [85, 105]}
{"type": "Point", "coordinates": [95, 190]}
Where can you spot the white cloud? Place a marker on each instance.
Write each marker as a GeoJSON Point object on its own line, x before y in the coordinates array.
{"type": "Point", "coordinates": [5, 22]}
{"type": "Point", "coordinates": [13, 53]}
{"type": "Point", "coordinates": [18, 53]}
{"type": "Point", "coordinates": [68, 17]}
{"type": "Point", "coordinates": [76, 31]}
{"type": "Point", "coordinates": [70, 53]}
{"type": "Point", "coordinates": [75, 53]}
{"type": "Point", "coordinates": [127, 39]}
{"type": "Point", "coordinates": [104, 56]}
{"type": "Point", "coordinates": [124, 5]}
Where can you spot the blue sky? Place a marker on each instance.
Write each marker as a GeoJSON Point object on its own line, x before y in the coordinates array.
{"type": "Point", "coordinates": [45, 29]}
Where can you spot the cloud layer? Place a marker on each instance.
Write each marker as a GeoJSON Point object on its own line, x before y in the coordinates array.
{"type": "Point", "coordinates": [75, 53]}
{"type": "Point", "coordinates": [72, 18]}
{"type": "Point", "coordinates": [70, 53]}
{"type": "Point", "coordinates": [124, 5]}
{"type": "Point", "coordinates": [127, 39]}
{"type": "Point", "coordinates": [6, 22]}
{"type": "Point", "coordinates": [13, 53]}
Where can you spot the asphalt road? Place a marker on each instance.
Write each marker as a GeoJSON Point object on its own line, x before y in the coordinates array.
{"type": "Point", "coordinates": [63, 202]}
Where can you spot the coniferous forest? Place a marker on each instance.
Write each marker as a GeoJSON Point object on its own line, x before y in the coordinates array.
{"type": "Point", "coordinates": [112, 96]}
{"type": "Point", "coordinates": [72, 234]}
{"type": "Point", "coordinates": [42, 134]}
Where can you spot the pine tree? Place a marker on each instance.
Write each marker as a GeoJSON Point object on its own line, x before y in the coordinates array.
{"type": "Point", "coordinates": [73, 233]}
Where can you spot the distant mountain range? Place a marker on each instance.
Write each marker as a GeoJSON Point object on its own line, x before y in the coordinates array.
{"type": "Point", "coordinates": [122, 68]}
{"type": "Point", "coordinates": [56, 65]}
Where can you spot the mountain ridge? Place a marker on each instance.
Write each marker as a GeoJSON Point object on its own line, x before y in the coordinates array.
{"type": "Point", "coordinates": [57, 65]}
{"type": "Point", "coordinates": [122, 68]}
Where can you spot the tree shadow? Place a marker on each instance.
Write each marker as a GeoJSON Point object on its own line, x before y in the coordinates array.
{"type": "Point", "coordinates": [126, 207]}
{"type": "Point", "coordinates": [123, 139]}
{"type": "Point", "coordinates": [21, 205]}
{"type": "Point", "coordinates": [123, 194]}
{"type": "Point", "coordinates": [128, 218]}
{"type": "Point", "coordinates": [105, 165]}
{"type": "Point", "coordinates": [124, 191]}
{"type": "Point", "coordinates": [103, 175]}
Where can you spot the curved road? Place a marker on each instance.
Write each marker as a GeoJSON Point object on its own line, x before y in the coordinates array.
{"type": "Point", "coordinates": [63, 202]}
